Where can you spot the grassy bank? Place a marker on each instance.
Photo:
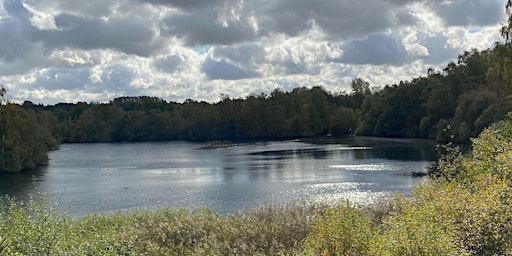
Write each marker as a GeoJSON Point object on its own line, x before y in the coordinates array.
{"type": "Point", "coordinates": [465, 210]}
{"type": "Point", "coordinates": [37, 229]}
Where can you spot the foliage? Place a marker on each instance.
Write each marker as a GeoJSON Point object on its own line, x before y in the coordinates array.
{"type": "Point", "coordinates": [25, 139]}
{"type": "Point", "coordinates": [30, 228]}
{"type": "Point", "coordinates": [417, 229]}
{"type": "Point", "coordinates": [506, 30]}
{"type": "Point", "coordinates": [342, 230]}
{"type": "Point", "coordinates": [468, 97]}
{"type": "Point", "coordinates": [34, 228]}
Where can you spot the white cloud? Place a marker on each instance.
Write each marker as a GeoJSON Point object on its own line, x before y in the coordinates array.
{"type": "Point", "coordinates": [70, 50]}
{"type": "Point", "coordinates": [413, 45]}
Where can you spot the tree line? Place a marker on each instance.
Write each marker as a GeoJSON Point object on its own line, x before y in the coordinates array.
{"type": "Point", "coordinates": [453, 104]}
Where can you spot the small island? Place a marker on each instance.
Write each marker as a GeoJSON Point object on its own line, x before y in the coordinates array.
{"type": "Point", "coordinates": [218, 145]}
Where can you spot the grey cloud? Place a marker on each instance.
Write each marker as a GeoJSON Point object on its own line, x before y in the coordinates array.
{"type": "Point", "coordinates": [168, 64]}
{"type": "Point", "coordinates": [402, 2]}
{"type": "Point", "coordinates": [405, 17]}
{"type": "Point", "coordinates": [15, 8]}
{"type": "Point", "coordinates": [224, 70]}
{"type": "Point", "coordinates": [14, 30]}
{"type": "Point", "coordinates": [129, 36]}
{"type": "Point", "coordinates": [294, 68]}
{"type": "Point", "coordinates": [284, 19]}
{"type": "Point", "coordinates": [188, 5]}
{"type": "Point", "coordinates": [340, 18]}
{"type": "Point", "coordinates": [116, 78]}
{"type": "Point", "coordinates": [251, 56]}
{"type": "Point", "coordinates": [439, 49]}
{"type": "Point", "coordinates": [63, 79]}
{"type": "Point", "coordinates": [374, 50]}
{"type": "Point", "coordinates": [13, 44]}
{"type": "Point", "coordinates": [201, 28]}
{"type": "Point", "coordinates": [247, 39]}
{"type": "Point", "coordinates": [469, 12]}
{"type": "Point", "coordinates": [93, 8]}
{"type": "Point", "coordinates": [246, 54]}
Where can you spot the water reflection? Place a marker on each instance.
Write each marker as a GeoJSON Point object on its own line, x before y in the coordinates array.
{"type": "Point", "coordinates": [109, 177]}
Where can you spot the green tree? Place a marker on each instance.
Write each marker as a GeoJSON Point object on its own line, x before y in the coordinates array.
{"type": "Point", "coordinates": [25, 140]}
{"type": "Point", "coordinates": [360, 86]}
{"type": "Point", "coordinates": [506, 30]}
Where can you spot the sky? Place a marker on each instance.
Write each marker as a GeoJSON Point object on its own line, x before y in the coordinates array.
{"type": "Point", "coordinates": [55, 51]}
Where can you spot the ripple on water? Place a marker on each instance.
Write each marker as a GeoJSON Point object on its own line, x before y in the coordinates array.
{"type": "Point", "coordinates": [334, 193]}
{"type": "Point", "coordinates": [365, 167]}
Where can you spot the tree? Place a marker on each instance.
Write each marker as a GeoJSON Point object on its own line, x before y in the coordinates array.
{"type": "Point", "coordinates": [3, 91]}
{"type": "Point", "coordinates": [360, 86]}
{"type": "Point", "coordinates": [506, 30]}
{"type": "Point", "coordinates": [502, 53]}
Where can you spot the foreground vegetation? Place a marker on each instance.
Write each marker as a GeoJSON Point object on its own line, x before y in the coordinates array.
{"type": "Point", "coordinates": [464, 209]}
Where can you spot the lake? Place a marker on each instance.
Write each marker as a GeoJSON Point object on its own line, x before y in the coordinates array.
{"type": "Point", "coordinates": [106, 177]}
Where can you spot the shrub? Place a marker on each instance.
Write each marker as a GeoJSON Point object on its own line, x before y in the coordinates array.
{"type": "Point", "coordinates": [31, 227]}
{"type": "Point", "coordinates": [343, 230]}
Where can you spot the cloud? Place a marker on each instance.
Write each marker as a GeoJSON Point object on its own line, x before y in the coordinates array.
{"type": "Point", "coordinates": [62, 79]}
{"type": "Point", "coordinates": [225, 71]}
{"type": "Point", "coordinates": [203, 27]}
{"type": "Point", "coordinates": [439, 50]}
{"type": "Point", "coordinates": [73, 50]}
{"type": "Point", "coordinates": [469, 12]}
{"type": "Point", "coordinates": [246, 53]}
{"type": "Point", "coordinates": [338, 18]}
{"type": "Point", "coordinates": [89, 8]}
{"type": "Point", "coordinates": [126, 35]}
{"type": "Point", "coordinates": [186, 4]}
{"type": "Point", "coordinates": [14, 29]}
{"type": "Point", "coordinates": [168, 64]}
{"type": "Point", "coordinates": [374, 50]}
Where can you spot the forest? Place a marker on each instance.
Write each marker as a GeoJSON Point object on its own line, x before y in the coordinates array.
{"type": "Point", "coordinates": [454, 104]}
{"type": "Point", "coordinates": [449, 105]}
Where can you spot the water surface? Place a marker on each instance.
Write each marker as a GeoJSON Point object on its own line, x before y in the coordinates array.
{"type": "Point", "coordinates": [107, 177]}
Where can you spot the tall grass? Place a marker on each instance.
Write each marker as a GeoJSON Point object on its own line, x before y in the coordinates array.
{"type": "Point", "coordinates": [466, 210]}
{"type": "Point", "coordinates": [34, 228]}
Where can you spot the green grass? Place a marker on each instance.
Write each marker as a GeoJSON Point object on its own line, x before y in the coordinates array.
{"type": "Point", "coordinates": [37, 229]}
{"type": "Point", "coordinates": [466, 210]}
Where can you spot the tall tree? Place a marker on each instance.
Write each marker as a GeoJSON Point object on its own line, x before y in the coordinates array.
{"type": "Point", "coordinates": [506, 30]}
{"type": "Point", "coordinates": [360, 86]}
{"type": "Point", "coordinates": [502, 53]}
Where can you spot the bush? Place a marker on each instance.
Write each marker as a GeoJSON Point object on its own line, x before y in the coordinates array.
{"type": "Point", "coordinates": [343, 230]}
{"type": "Point", "coordinates": [31, 227]}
